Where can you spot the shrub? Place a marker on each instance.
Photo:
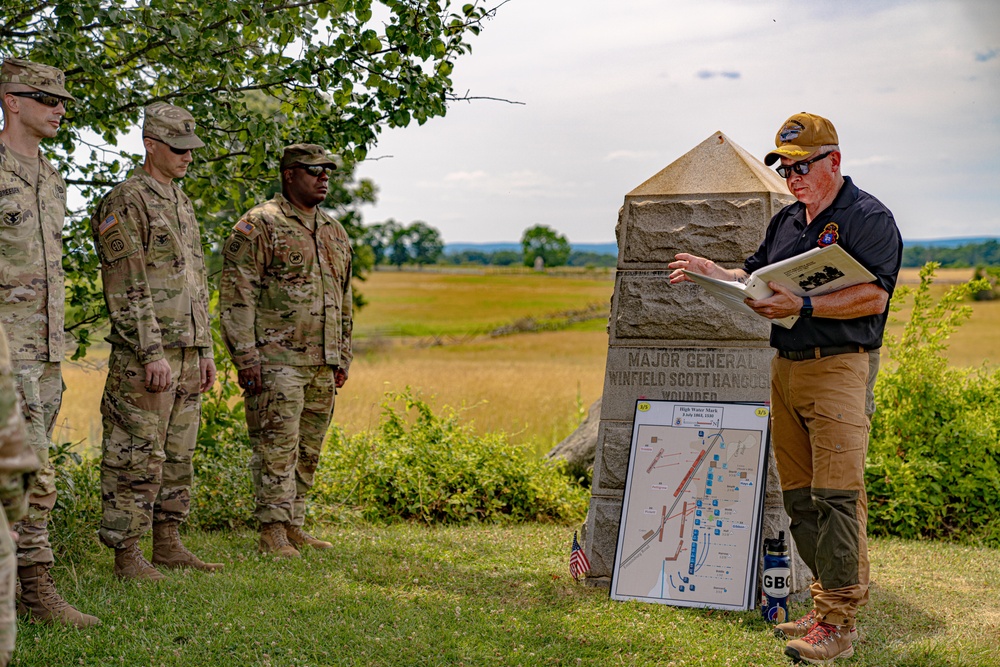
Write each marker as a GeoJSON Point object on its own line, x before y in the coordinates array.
{"type": "Point", "coordinates": [222, 497]}
{"type": "Point", "coordinates": [934, 464]}
{"type": "Point", "coordinates": [77, 513]}
{"type": "Point", "coordinates": [430, 468]}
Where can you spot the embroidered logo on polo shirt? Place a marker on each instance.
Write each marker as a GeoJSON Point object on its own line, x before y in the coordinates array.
{"type": "Point", "coordinates": [829, 235]}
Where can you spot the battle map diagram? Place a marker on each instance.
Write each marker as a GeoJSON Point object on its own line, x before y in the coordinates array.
{"type": "Point", "coordinates": [691, 512]}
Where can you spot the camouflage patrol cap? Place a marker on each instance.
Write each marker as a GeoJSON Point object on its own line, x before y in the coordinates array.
{"type": "Point", "coordinates": [308, 155]}
{"type": "Point", "coordinates": [171, 125]}
{"type": "Point", "coordinates": [802, 135]}
{"type": "Point", "coordinates": [45, 78]}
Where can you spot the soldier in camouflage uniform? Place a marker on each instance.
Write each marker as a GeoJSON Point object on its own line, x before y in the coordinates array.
{"type": "Point", "coordinates": [285, 298]}
{"type": "Point", "coordinates": [17, 463]}
{"type": "Point", "coordinates": [155, 286]}
{"type": "Point", "coordinates": [32, 208]}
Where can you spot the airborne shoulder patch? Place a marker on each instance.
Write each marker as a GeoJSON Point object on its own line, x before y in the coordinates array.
{"type": "Point", "coordinates": [115, 244]}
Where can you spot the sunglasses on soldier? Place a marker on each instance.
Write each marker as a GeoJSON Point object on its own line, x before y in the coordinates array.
{"type": "Point", "coordinates": [314, 169]}
{"type": "Point", "coordinates": [175, 151]}
{"type": "Point", "coordinates": [47, 99]}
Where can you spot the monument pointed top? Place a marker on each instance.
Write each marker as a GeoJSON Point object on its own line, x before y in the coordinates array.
{"type": "Point", "coordinates": [715, 166]}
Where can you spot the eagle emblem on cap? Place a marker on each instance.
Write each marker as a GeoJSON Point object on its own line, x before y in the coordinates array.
{"type": "Point", "coordinates": [791, 131]}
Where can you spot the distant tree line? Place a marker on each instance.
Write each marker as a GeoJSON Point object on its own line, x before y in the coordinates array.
{"type": "Point", "coordinates": [395, 244]}
{"type": "Point", "coordinates": [969, 255]}
{"type": "Point", "coordinates": [391, 243]}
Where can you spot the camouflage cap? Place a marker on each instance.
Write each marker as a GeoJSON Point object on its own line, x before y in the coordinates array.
{"type": "Point", "coordinates": [171, 125]}
{"type": "Point", "coordinates": [802, 135]}
{"type": "Point", "coordinates": [308, 155]}
{"type": "Point", "coordinates": [45, 78]}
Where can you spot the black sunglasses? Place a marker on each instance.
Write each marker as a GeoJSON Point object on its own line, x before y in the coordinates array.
{"type": "Point", "coordinates": [175, 151]}
{"type": "Point", "coordinates": [314, 169]}
{"type": "Point", "coordinates": [47, 99]}
{"type": "Point", "coordinates": [801, 168]}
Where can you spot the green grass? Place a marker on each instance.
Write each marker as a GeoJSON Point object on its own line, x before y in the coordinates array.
{"type": "Point", "coordinates": [406, 595]}
{"type": "Point", "coordinates": [423, 303]}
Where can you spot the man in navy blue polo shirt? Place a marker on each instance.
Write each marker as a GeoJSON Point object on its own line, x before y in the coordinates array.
{"type": "Point", "coordinates": [820, 374]}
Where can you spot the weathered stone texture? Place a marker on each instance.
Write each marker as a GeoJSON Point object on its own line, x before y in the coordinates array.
{"type": "Point", "coordinates": [611, 463]}
{"type": "Point", "coordinates": [649, 308]}
{"type": "Point", "coordinates": [603, 520]}
{"type": "Point", "coordinates": [722, 229]}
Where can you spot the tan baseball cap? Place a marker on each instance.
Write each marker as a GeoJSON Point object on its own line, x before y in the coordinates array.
{"type": "Point", "coordinates": [802, 135]}
{"type": "Point", "coordinates": [171, 125]}
{"type": "Point", "coordinates": [45, 78]}
{"type": "Point", "coordinates": [308, 155]}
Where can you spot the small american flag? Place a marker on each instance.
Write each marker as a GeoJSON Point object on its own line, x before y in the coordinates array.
{"type": "Point", "coordinates": [578, 563]}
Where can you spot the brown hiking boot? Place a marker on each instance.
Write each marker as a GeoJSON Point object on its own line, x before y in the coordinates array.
{"type": "Point", "coordinates": [300, 538]}
{"type": "Point", "coordinates": [823, 644]}
{"type": "Point", "coordinates": [170, 552]}
{"type": "Point", "coordinates": [130, 564]}
{"type": "Point", "coordinates": [801, 627]}
{"type": "Point", "coordinates": [274, 540]}
{"type": "Point", "coordinates": [42, 603]}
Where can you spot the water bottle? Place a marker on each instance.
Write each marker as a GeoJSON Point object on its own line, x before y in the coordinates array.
{"type": "Point", "coordinates": [777, 576]}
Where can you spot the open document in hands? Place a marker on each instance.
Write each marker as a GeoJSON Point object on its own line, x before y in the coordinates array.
{"type": "Point", "coordinates": [814, 272]}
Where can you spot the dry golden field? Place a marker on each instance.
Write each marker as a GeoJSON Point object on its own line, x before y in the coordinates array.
{"type": "Point", "coordinates": [531, 385]}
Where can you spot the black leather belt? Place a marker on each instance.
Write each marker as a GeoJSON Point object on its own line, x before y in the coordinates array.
{"type": "Point", "coordinates": [818, 352]}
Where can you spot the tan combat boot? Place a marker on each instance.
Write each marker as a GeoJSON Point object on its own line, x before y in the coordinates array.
{"type": "Point", "coordinates": [273, 540]}
{"type": "Point", "coordinates": [131, 565]}
{"type": "Point", "coordinates": [802, 626]}
{"type": "Point", "coordinates": [170, 552]}
{"type": "Point", "coordinates": [41, 601]}
{"type": "Point", "coordinates": [823, 644]}
{"type": "Point", "coordinates": [300, 538]}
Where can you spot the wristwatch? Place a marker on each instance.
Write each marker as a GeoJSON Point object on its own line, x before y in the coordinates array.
{"type": "Point", "coordinates": [807, 307]}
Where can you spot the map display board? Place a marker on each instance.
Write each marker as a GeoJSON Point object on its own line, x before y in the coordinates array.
{"type": "Point", "coordinates": [694, 498]}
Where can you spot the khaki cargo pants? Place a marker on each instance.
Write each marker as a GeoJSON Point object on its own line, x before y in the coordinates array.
{"type": "Point", "coordinates": [40, 389]}
{"type": "Point", "coordinates": [149, 439]}
{"type": "Point", "coordinates": [287, 424]}
{"type": "Point", "coordinates": [820, 434]}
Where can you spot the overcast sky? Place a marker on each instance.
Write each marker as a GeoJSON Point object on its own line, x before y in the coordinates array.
{"type": "Point", "coordinates": [614, 92]}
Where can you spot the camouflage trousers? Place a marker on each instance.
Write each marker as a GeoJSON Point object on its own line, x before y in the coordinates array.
{"type": "Point", "coordinates": [287, 423]}
{"type": "Point", "coordinates": [8, 577]}
{"type": "Point", "coordinates": [149, 439]}
{"type": "Point", "coordinates": [40, 387]}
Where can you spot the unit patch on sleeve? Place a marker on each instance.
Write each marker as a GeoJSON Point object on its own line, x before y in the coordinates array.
{"type": "Point", "coordinates": [115, 244]}
{"type": "Point", "coordinates": [236, 247]}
